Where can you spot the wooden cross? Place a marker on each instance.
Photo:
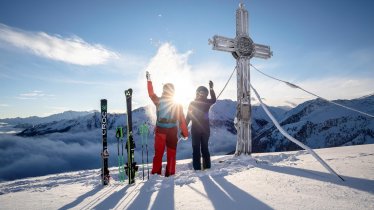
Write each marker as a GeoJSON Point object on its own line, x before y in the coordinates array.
{"type": "Point", "coordinates": [243, 49]}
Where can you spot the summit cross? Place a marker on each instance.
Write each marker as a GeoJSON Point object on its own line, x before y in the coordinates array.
{"type": "Point", "coordinates": [243, 49]}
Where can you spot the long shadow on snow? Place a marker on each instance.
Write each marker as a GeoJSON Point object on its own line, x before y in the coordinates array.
{"type": "Point", "coordinates": [111, 201]}
{"type": "Point", "coordinates": [165, 197]}
{"type": "Point", "coordinates": [225, 195]}
{"type": "Point", "coordinates": [351, 182]}
{"type": "Point", "coordinates": [81, 198]}
{"type": "Point", "coordinates": [143, 199]}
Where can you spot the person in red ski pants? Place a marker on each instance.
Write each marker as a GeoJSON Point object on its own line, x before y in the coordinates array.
{"type": "Point", "coordinates": [169, 114]}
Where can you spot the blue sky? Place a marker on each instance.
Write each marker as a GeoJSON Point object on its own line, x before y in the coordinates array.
{"type": "Point", "coordinates": [67, 55]}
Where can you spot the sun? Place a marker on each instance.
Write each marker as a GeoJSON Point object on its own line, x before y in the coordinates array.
{"type": "Point", "coordinates": [184, 94]}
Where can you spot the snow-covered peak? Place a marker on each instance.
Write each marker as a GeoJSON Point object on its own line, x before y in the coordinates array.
{"type": "Point", "coordinates": [34, 120]}
{"type": "Point", "coordinates": [318, 110]}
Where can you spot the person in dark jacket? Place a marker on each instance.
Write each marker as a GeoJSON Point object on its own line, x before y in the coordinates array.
{"type": "Point", "coordinates": [198, 113]}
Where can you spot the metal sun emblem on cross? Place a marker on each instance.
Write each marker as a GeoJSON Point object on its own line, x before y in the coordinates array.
{"type": "Point", "coordinates": [243, 49]}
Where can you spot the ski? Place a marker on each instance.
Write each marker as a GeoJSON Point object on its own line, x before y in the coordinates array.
{"type": "Point", "coordinates": [131, 166]}
{"type": "Point", "coordinates": [104, 153]}
{"type": "Point", "coordinates": [121, 161]}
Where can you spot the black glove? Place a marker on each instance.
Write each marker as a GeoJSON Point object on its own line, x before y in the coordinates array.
{"type": "Point", "coordinates": [148, 76]}
{"type": "Point", "coordinates": [210, 84]}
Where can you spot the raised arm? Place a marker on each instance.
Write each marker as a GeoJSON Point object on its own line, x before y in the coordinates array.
{"type": "Point", "coordinates": [213, 98]}
{"type": "Point", "coordinates": [155, 99]}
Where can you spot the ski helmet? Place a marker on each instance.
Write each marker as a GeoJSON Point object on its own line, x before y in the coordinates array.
{"type": "Point", "coordinates": [168, 89]}
{"type": "Point", "coordinates": [202, 92]}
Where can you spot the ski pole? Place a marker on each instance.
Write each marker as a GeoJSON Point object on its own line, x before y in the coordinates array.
{"type": "Point", "coordinates": [119, 136]}
{"type": "Point", "coordinates": [122, 162]}
{"type": "Point", "coordinates": [119, 161]}
{"type": "Point", "coordinates": [146, 145]}
{"type": "Point", "coordinates": [142, 137]}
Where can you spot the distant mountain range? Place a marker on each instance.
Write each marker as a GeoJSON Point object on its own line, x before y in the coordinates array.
{"type": "Point", "coordinates": [320, 124]}
{"type": "Point", "coordinates": [34, 120]}
{"type": "Point", "coordinates": [316, 123]}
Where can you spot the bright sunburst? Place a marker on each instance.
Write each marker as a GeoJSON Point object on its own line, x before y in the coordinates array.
{"type": "Point", "coordinates": [184, 93]}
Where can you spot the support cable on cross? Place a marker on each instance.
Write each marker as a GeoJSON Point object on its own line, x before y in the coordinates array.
{"type": "Point", "coordinates": [289, 137]}
{"type": "Point", "coordinates": [298, 87]}
{"type": "Point", "coordinates": [224, 87]}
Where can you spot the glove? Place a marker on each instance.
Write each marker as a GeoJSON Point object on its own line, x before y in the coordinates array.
{"type": "Point", "coordinates": [148, 76]}
{"type": "Point", "coordinates": [184, 138]}
{"type": "Point", "coordinates": [210, 84]}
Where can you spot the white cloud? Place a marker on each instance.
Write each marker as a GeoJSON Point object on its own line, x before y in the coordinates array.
{"type": "Point", "coordinates": [169, 65]}
{"type": "Point", "coordinates": [332, 88]}
{"type": "Point", "coordinates": [4, 105]}
{"type": "Point", "coordinates": [279, 94]}
{"type": "Point", "coordinates": [72, 50]}
{"type": "Point", "coordinates": [35, 94]}
{"type": "Point", "coordinates": [340, 87]}
{"type": "Point", "coordinates": [40, 156]}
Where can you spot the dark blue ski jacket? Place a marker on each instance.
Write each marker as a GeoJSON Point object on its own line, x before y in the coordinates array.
{"type": "Point", "coordinates": [198, 113]}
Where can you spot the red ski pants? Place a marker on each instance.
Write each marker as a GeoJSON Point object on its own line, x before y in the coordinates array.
{"type": "Point", "coordinates": [168, 137]}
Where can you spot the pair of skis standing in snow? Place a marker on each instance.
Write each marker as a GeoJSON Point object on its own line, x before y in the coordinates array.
{"type": "Point", "coordinates": [130, 167]}
{"type": "Point", "coordinates": [169, 115]}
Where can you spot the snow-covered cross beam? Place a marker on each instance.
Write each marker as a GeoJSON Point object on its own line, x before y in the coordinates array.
{"type": "Point", "coordinates": [243, 49]}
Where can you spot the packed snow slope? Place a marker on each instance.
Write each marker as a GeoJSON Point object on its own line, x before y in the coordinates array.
{"type": "Point", "coordinates": [288, 180]}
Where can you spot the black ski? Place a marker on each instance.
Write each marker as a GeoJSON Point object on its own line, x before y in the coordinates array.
{"type": "Point", "coordinates": [131, 166]}
{"type": "Point", "coordinates": [104, 153]}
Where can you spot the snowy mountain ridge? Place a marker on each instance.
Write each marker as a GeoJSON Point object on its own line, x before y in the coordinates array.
{"type": "Point", "coordinates": [316, 122]}
{"type": "Point", "coordinates": [223, 110]}
{"type": "Point", "coordinates": [75, 144]}
{"type": "Point", "coordinates": [320, 124]}
{"type": "Point", "coordinates": [34, 120]}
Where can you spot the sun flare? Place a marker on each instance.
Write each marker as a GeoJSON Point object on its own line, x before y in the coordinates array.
{"type": "Point", "coordinates": [184, 94]}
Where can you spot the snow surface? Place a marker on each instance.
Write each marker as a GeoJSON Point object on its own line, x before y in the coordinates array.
{"type": "Point", "coordinates": [288, 180]}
